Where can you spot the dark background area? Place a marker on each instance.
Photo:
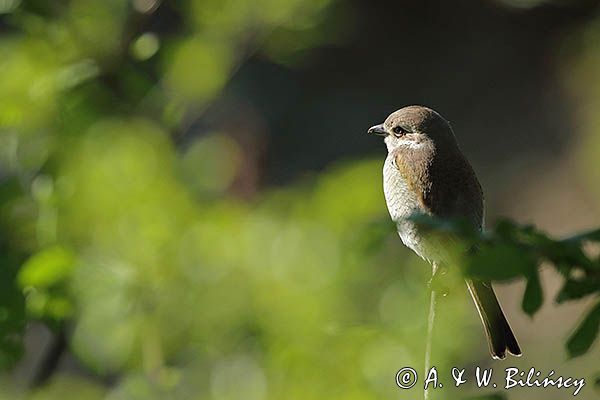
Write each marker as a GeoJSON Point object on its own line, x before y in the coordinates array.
{"type": "Point", "coordinates": [490, 70]}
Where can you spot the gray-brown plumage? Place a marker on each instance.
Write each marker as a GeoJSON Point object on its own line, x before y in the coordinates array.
{"type": "Point", "coordinates": [425, 172]}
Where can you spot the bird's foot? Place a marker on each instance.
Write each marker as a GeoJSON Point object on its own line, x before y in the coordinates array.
{"type": "Point", "coordinates": [436, 282]}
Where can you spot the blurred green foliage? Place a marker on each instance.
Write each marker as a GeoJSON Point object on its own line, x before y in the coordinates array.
{"type": "Point", "coordinates": [138, 252]}
{"type": "Point", "coordinates": [508, 251]}
{"type": "Point", "coordinates": [157, 274]}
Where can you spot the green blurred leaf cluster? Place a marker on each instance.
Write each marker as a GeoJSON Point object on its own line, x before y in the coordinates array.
{"type": "Point", "coordinates": [509, 250]}
{"type": "Point", "coordinates": [137, 251]}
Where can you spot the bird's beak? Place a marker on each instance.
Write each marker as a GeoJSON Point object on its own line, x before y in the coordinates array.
{"type": "Point", "coordinates": [377, 130]}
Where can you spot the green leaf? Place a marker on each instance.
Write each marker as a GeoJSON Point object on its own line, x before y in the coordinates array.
{"type": "Point", "coordinates": [505, 229]}
{"type": "Point", "coordinates": [500, 262]}
{"type": "Point", "coordinates": [582, 339]}
{"type": "Point", "coordinates": [533, 297]}
{"type": "Point", "coordinates": [509, 232]}
{"type": "Point", "coordinates": [593, 236]}
{"type": "Point", "coordinates": [577, 289]}
{"type": "Point", "coordinates": [458, 226]}
{"type": "Point", "coordinates": [569, 253]}
{"type": "Point", "coordinates": [46, 268]}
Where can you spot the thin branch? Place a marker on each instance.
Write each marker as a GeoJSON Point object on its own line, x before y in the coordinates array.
{"type": "Point", "coordinates": [430, 322]}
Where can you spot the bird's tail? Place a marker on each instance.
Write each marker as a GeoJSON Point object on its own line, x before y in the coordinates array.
{"type": "Point", "coordinates": [497, 330]}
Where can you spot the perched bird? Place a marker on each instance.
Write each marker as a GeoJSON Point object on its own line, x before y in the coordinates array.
{"type": "Point", "coordinates": [426, 173]}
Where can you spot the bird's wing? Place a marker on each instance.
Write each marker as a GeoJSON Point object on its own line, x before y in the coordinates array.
{"type": "Point", "coordinates": [451, 189]}
{"type": "Point", "coordinates": [448, 189]}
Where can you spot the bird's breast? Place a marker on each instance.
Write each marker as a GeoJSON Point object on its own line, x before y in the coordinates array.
{"type": "Point", "coordinates": [402, 202]}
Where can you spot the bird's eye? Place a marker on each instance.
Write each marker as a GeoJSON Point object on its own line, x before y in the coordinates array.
{"type": "Point", "coordinates": [399, 131]}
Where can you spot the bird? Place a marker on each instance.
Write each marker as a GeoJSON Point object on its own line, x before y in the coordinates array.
{"type": "Point", "coordinates": [425, 172]}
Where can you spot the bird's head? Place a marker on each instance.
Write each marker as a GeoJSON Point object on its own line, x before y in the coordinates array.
{"type": "Point", "coordinates": [415, 127]}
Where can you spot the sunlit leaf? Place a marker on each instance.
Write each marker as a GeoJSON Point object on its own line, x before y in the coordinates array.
{"type": "Point", "coordinates": [47, 267]}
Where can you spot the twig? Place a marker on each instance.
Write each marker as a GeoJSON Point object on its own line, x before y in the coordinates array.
{"type": "Point", "coordinates": [430, 321]}
{"type": "Point", "coordinates": [50, 359]}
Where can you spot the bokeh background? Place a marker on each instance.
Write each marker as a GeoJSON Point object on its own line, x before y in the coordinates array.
{"type": "Point", "coordinates": [190, 207]}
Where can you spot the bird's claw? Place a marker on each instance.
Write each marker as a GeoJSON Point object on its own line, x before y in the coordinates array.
{"type": "Point", "coordinates": [436, 283]}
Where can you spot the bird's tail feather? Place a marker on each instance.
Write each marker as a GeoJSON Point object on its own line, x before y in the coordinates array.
{"type": "Point", "coordinates": [497, 330]}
